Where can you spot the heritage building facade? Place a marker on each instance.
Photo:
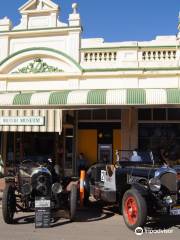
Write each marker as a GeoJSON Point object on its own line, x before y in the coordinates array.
{"type": "Point", "coordinates": [61, 94]}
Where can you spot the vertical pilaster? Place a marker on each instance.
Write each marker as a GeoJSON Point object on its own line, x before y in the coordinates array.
{"type": "Point", "coordinates": [129, 129]}
{"type": "Point", "coordinates": [134, 128]}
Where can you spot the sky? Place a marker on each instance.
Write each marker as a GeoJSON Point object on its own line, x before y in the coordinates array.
{"type": "Point", "coordinates": [114, 20]}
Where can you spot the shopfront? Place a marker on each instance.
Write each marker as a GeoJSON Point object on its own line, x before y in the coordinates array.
{"type": "Point", "coordinates": [38, 135]}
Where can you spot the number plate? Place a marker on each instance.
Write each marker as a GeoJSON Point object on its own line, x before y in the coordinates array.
{"type": "Point", "coordinates": [42, 203]}
{"type": "Point", "coordinates": [103, 175]}
{"type": "Point", "coordinates": [175, 211]}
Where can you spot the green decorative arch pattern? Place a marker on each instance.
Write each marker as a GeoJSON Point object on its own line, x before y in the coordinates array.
{"type": "Point", "coordinates": [42, 49]}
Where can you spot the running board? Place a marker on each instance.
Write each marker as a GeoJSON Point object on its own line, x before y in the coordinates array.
{"type": "Point", "coordinates": [102, 193]}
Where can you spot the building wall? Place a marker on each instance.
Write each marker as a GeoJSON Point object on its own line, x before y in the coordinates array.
{"type": "Point", "coordinates": [87, 144]}
{"type": "Point", "coordinates": [86, 63]}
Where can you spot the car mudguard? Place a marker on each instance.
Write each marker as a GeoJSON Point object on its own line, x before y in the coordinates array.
{"type": "Point", "coordinates": [143, 190]}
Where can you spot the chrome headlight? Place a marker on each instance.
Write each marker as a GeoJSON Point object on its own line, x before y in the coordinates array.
{"type": "Point", "coordinates": [168, 200]}
{"type": "Point", "coordinates": [57, 188]}
{"type": "Point", "coordinates": [155, 184]}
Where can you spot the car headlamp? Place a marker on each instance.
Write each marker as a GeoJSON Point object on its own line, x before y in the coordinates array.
{"type": "Point", "coordinates": [57, 188]}
{"type": "Point", "coordinates": [168, 200]}
{"type": "Point", "coordinates": [155, 184]}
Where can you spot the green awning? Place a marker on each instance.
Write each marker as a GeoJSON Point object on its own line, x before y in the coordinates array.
{"type": "Point", "coordinates": [111, 97]}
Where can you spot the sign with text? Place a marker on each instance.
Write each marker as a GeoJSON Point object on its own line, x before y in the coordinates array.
{"type": "Point", "coordinates": [22, 121]}
{"type": "Point", "coordinates": [42, 212]}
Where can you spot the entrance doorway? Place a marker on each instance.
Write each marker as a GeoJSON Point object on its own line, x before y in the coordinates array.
{"type": "Point", "coordinates": [98, 141]}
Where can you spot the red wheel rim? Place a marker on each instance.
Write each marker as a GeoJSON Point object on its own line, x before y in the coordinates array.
{"type": "Point", "coordinates": [131, 210]}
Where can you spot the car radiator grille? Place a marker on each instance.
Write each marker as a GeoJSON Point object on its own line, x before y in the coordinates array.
{"type": "Point", "coordinates": [169, 181]}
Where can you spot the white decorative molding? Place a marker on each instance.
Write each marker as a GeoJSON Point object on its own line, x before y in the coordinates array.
{"type": "Point", "coordinates": [39, 14]}
{"type": "Point", "coordinates": [38, 5]}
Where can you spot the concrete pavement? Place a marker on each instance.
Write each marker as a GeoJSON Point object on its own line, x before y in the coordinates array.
{"type": "Point", "coordinates": [91, 224]}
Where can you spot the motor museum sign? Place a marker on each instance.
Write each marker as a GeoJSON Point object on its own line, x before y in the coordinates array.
{"type": "Point", "coordinates": [22, 121]}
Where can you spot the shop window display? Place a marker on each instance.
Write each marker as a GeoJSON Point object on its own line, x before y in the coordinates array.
{"type": "Point", "coordinates": [163, 139]}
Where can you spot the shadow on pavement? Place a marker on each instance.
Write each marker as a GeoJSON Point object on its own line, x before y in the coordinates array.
{"type": "Point", "coordinates": [164, 222]}
{"type": "Point", "coordinates": [94, 212]}
{"type": "Point", "coordinates": [24, 219]}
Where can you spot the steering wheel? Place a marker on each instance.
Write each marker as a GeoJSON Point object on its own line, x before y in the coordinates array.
{"type": "Point", "coordinates": [124, 159]}
{"type": "Point", "coordinates": [29, 161]}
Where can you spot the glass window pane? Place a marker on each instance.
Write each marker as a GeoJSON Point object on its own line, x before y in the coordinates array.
{"type": "Point", "coordinates": [174, 114]}
{"type": "Point", "coordinates": [113, 114]}
{"type": "Point", "coordinates": [159, 114]}
{"type": "Point", "coordinates": [99, 114]}
{"type": "Point", "coordinates": [84, 115]}
{"type": "Point", "coordinates": [161, 137]}
{"type": "Point", "coordinates": [144, 114]}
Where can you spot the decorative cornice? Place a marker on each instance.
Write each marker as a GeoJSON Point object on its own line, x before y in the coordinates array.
{"type": "Point", "coordinates": [132, 69]}
{"type": "Point", "coordinates": [109, 48]}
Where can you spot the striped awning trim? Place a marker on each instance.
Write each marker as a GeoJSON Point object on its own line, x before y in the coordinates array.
{"type": "Point", "coordinates": [52, 120]}
{"type": "Point", "coordinates": [93, 97]}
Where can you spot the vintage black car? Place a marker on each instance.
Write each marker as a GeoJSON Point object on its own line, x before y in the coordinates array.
{"type": "Point", "coordinates": [142, 189]}
{"type": "Point", "coordinates": [30, 180]}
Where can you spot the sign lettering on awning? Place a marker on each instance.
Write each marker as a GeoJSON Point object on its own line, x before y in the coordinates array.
{"type": "Point", "coordinates": [22, 121]}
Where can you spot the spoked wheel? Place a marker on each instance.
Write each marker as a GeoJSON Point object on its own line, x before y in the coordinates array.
{"type": "Point", "coordinates": [134, 209]}
{"type": "Point", "coordinates": [73, 202]}
{"type": "Point", "coordinates": [8, 204]}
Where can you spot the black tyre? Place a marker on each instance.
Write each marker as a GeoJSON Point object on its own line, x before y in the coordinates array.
{"type": "Point", "coordinates": [86, 201]}
{"type": "Point", "coordinates": [8, 204]}
{"type": "Point", "coordinates": [73, 202]}
{"type": "Point", "coordinates": [134, 209]}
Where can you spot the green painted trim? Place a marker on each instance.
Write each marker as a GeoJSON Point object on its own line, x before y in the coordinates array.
{"type": "Point", "coordinates": [96, 97]}
{"type": "Point", "coordinates": [110, 69]}
{"type": "Point", "coordinates": [130, 69]}
{"type": "Point", "coordinates": [22, 99]}
{"type": "Point", "coordinates": [59, 98]}
{"type": "Point", "coordinates": [45, 49]}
